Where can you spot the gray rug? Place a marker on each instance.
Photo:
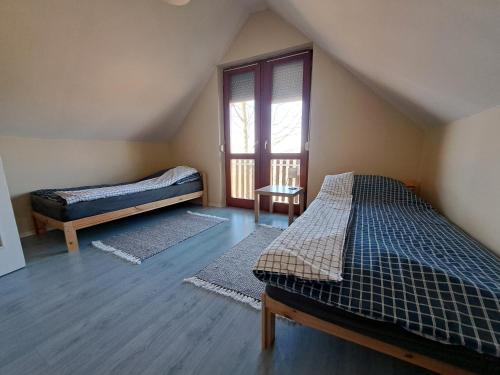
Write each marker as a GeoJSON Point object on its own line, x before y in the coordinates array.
{"type": "Point", "coordinates": [231, 274]}
{"type": "Point", "coordinates": [140, 244]}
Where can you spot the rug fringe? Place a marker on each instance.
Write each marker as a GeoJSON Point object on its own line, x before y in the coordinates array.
{"type": "Point", "coordinates": [119, 253]}
{"type": "Point", "coordinates": [205, 215]}
{"type": "Point", "coordinates": [270, 226]}
{"type": "Point", "coordinates": [237, 296]}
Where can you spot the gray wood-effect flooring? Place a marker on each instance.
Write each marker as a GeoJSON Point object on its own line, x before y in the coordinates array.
{"type": "Point", "coordinates": [92, 313]}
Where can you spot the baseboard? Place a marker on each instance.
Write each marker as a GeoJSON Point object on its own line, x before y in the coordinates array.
{"type": "Point", "coordinates": [27, 233]}
{"type": "Point", "coordinates": [216, 204]}
{"type": "Point", "coordinates": [31, 232]}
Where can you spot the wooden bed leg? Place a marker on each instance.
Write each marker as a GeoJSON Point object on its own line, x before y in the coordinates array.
{"type": "Point", "coordinates": [268, 325]}
{"type": "Point", "coordinates": [204, 198]}
{"type": "Point", "coordinates": [71, 238]}
{"type": "Point", "coordinates": [40, 226]}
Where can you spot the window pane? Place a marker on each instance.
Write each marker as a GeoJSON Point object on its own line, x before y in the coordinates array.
{"type": "Point", "coordinates": [286, 108]}
{"type": "Point", "coordinates": [242, 113]}
{"type": "Point", "coordinates": [285, 172]}
{"type": "Point", "coordinates": [242, 178]}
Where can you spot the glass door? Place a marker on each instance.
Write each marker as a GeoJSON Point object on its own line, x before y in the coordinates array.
{"type": "Point", "coordinates": [285, 123]}
{"type": "Point", "coordinates": [266, 122]}
{"type": "Point", "coordinates": [242, 125]}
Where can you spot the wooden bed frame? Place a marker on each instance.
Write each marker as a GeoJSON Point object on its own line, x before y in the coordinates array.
{"type": "Point", "coordinates": [271, 307]}
{"type": "Point", "coordinates": [70, 227]}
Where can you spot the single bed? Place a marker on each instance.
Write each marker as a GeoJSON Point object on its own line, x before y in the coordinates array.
{"type": "Point", "coordinates": [414, 286]}
{"type": "Point", "coordinates": [50, 209]}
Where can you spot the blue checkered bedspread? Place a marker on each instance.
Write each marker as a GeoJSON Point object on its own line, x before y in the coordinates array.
{"type": "Point", "coordinates": [406, 264]}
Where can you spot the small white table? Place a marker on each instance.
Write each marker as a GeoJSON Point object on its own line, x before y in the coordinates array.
{"type": "Point", "coordinates": [280, 191]}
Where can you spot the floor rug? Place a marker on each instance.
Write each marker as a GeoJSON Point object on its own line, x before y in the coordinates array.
{"type": "Point", "coordinates": [231, 274]}
{"type": "Point", "coordinates": [142, 243]}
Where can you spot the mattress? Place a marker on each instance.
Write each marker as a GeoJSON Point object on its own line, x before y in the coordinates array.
{"type": "Point", "coordinates": [47, 203]}
{"type": "Point", "coordinates": [456, 355]}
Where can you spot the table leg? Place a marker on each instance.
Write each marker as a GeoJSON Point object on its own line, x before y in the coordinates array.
{"type": "Point", "coordinates": [271, 204]}
{"type": "Point", "coordinates": [290, 210]}
{"type": "Point", "coordinates": [301, 203]}
{"type": "Point", "coordinates": [257, 207]}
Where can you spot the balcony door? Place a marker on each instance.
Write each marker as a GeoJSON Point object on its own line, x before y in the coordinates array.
{"type": "Point", "coordinates": [266, 117]}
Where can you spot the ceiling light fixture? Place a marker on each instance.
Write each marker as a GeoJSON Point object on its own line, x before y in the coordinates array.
{"type": "Point", "coordinates": [177, 3]}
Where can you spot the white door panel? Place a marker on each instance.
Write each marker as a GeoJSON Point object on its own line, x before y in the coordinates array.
{"type": "Point", "coordinates": [11, 252]}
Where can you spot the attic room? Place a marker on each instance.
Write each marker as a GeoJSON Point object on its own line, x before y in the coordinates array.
{"type": "Point", "coordinates": [249, 187]}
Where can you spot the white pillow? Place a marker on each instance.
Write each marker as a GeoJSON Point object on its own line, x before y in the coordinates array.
{"type": "Point", "coordinates": [338, 185]}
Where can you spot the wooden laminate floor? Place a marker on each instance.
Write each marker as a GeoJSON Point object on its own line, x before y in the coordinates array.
{"type": "Point", "coordinates": [92, 313]}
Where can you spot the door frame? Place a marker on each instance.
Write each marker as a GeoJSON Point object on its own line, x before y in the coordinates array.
{"type": "Point", "coordinates": [262, 67]}
{"type": "Point", "coordinates": [227, 74]}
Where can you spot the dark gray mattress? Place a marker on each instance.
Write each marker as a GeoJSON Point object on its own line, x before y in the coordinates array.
{"type": "Point", "coordinates": [50, 204]}
{"type": "Point", "coordinates": [389, 333]}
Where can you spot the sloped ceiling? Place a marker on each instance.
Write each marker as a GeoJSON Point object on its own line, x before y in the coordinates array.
{"type": "Point", "coordinates": [108, 69]}
{"type": "Point", "coordinates": [131, 69]}
{"type": "Point", "coordinates": [437, 61]}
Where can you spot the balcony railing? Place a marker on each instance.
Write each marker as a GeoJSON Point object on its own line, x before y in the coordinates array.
{"type": "Point", "coordinates": [243, 177]}
{"type": "Point", "coordinates": [280, 175]}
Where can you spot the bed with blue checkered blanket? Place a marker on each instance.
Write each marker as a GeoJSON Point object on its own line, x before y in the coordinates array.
{"type": "Point", "coordinates": [406, 264]}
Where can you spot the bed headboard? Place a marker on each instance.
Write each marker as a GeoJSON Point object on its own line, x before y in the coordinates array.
{"type": "Point", "coordinates": [412, 185]}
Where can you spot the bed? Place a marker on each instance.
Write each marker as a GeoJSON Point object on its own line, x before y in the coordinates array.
{"type": "Point", "coordinates": [414, 286]}
{"type": "Point", "coordinates": [50, 209]}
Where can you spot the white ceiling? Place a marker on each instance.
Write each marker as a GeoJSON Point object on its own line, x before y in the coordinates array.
{"type": "Point", "coordinates": [131, 69]}
{"type": "Point", "coordinates": [436, 60]}
{"type": "Point", "coordinates": [108, 69]}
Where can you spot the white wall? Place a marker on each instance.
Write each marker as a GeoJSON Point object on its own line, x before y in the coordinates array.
{"type": "Point", "coordinates": [198, 139]}
{"type": "Point", "coordinates": [461, 174]}
{"type": "Point", "coordinates": [351, 128]}
{"type": "Point", "coordinates": [32, 164]}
